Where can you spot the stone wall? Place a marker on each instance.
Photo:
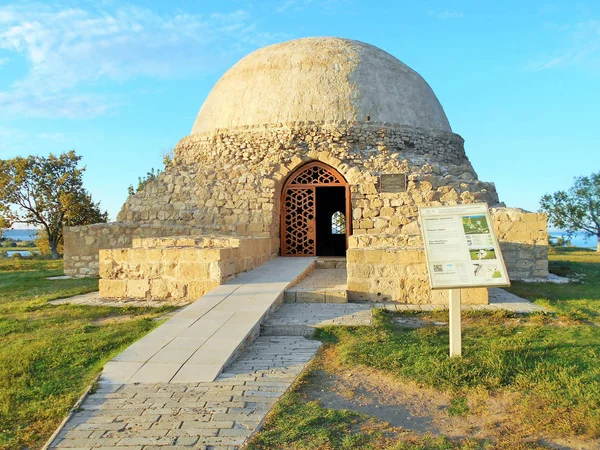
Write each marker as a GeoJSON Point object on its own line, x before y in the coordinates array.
{"type": "Point", "coordinates": [393, 268]}
{"type": "Point", "coordinates": [177, 268]}
{"type": "Point", "coordinates": [83, 243]}
{"type": "Point", "coordinates": [231, 180]}
{"type": "Point", "coordinates": [523, 238]}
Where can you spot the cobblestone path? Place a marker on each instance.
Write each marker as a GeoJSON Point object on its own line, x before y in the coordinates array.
{"type": "Point", "coordinates": [217, 416]}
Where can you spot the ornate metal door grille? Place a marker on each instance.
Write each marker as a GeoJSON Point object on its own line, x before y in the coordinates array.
{"type": "Point", "coordinates": [298, 222]}
{"type": "Point", "coordinates": [315, 174]}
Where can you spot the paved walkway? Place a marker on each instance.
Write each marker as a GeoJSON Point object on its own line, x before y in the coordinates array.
{"type": "Point", "coordinates": [217, 416]}
{"type": "Point", "coordinates": [198, 341]}
{"type": "Point", "coordinates": [501, 299]}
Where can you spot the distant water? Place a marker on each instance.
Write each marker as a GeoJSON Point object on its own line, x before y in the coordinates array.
{"type": "Point", "coordinates": [11, 253]}
{"type": "Point", "coordinates": [578, 239]}
{"type": "Point", "coordinates": [20, 235]}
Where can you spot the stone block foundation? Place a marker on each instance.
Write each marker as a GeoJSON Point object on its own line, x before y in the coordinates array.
{"type": "Point", "coordinates": [384, 274]}
{"type": "Point", "coordinates": [177, 268]}
{"type": "Point", "coordinates": [392, 267]}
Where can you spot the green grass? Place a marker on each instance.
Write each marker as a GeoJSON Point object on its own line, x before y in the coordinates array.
{"type": "Point", "coordinates": [310, 425]}
{"type": "Point", "coordinates": [578, 301]}
{"type": "Point", "coordinates": [49, 354]}
{"type": "Point", "coordinates": [298, 424]}
{"type": "Point", "coordinates": [555, 369]}
{"type": "Point", "coordinates": [459, 407]}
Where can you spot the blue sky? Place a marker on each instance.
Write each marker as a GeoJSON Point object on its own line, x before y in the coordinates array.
{"type": "Point", "coordinates": [120, 82]}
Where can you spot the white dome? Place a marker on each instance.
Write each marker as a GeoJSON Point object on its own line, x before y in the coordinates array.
{"type": "Point", "coordinates": [320, 79]}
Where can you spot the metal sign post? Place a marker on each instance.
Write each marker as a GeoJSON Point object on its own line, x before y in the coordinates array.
{"type": "Point", "coordinates": [454, 323]}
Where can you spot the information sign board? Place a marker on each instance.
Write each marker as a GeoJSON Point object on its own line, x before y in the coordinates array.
{"type": "Point", "coordinates": [461, 247]}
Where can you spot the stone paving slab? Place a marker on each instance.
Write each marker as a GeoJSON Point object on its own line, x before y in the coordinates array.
{"type": "Point", "coordinates": [499, 300]}
{"type": "Point", "coordinates": [199, 340]}
{"type": "Point", "coordinates": [94, 299]}
{"type": "Point", "coordinates": [221, 414]}
{"type": "Point", "coordinates": [331, 262]}
{"type": "Point", "coordinates": [503, 299]}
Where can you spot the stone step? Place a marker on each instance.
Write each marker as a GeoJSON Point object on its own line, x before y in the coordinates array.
{"type": "Point", "coordinates": [301, 319]}
{"type": "Point", "coordinates": [331, 262]}
{"type": "Point", "coordinates": [316, 296]}
{"type": "Point", "coordinates": [320, 286]}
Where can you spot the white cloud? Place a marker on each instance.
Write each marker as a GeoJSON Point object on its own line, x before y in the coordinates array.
{"type": "Point", "coordinates": [445, 14]}
{"type": "Point", "coordinates": [72, 51]}
{"type": "Point", "coordinates": [292, 5]}
{"type": "Point", "coordinates": [61, 104]}
{"type": "Point", "coordinates": [52, 136]}
{"type": "Point", "coordinates": [580, 48]}
{"type": "Point", "coordinates": [3, 61]}
{"type": "Point", "coordinates": [324, 6]}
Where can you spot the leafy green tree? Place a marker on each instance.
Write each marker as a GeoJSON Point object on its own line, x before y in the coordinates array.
{"type": "Point", "coordinates": [578, 208]}
{"type": "Point", "coordinates": [43, 245]}
{"type": "Point", "coordinates": [167, 159]}
{"type": "Point", "coordinates": [168, 155]}
{"type": "Point", "coordinates": [47, 193]}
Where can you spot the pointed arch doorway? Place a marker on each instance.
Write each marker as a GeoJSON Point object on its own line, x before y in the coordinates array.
{"type": "Point", "coordinates": [315, 212]}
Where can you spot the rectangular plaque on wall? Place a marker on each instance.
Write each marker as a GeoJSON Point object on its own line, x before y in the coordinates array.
{"type": "Point", "coordinates": [392, 182]}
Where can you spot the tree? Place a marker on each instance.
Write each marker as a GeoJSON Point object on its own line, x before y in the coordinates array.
{"type": "Point", "coordinates": [47, 193]}
{"type": "Point", "coordinates": [168, 155]}
{"type": "Point", "coordinates": [577, 209]}
{"type": "Point", "coordinates": [43, 245]}
{"type": "Point", "coordinates": [143, 181]}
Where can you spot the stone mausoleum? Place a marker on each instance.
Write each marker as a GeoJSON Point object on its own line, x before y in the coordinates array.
{"type": "Point", "coordinates": [313, 147]}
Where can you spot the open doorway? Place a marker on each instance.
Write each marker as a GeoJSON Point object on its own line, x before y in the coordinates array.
{"type": "Point", "coordinates": [331, 221]}
{"type": "Point", "coordinates": [315, 212]}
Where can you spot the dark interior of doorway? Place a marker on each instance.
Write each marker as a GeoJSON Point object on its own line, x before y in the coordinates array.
{"type": "Point", "coordinates": [330, 241]}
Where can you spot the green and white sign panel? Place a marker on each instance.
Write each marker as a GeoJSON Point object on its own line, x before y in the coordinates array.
{"type": "Point", "coordinates": [461, 247]}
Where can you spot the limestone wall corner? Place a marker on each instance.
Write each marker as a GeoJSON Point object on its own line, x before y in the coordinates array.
{"type": "Point", "coordinates": [523, 238]}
